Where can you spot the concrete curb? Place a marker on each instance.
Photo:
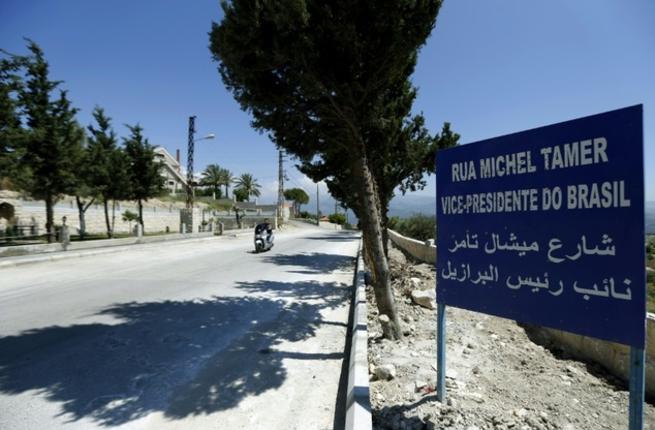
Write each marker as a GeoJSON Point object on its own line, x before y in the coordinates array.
{"type": "Point", "coordinates": [358, 402]}
{"type": "Point", "coordinates": [6, 262]}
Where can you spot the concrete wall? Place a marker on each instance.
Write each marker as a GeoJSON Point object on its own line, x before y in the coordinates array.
{"type": "Point", "coordinates": [613, 356]}
{"type": "Point", "coordinates": [158, 216]}
{"type": "Point", "coordinates": [422, 251]}
{"type": "Point", "coordinates": [154, 218]}
{"type": "Point", "coordinates": [329, 226]}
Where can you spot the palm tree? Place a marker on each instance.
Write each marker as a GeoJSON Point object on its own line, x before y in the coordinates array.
{"type": "Point", "coordinates": [248, 184]}
{"type": "Point", "coordinates": [213, 176]}
{"type": "Point", "coordinates": [227, 179]}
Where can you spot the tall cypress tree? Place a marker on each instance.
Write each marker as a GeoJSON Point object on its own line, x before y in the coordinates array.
{"type": "Point", "coordinates": [143, 170]}
{"type": "Point", "coordinates": [84, 192]}
{"type": "Point", "coordinates": [10, 126]}
{"type": "Point", "coordinates": [50, 140]}
{"type": "Point", "coordinates": [107, 170]}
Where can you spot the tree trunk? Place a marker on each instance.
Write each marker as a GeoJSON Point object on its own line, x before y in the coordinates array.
{"type": "Point", "coordinates": [113, 214]}
{"type": "Point", "coordinates": [140, 204]}
{"type": "Point", "coordinates": [80, 213]}
{"type": "Point", "coordinates": [81, 209]}
{"type": "Point", "coordinates": [385, 226]}
{"type": "Point", "coordinates": [110, 233]}
{"type": "Point", "coordinates": [372, 232]}
{"type": "Point", "coordinates": [49, 217]}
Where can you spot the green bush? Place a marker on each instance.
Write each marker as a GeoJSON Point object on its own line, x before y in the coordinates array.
{"type": "Point", "coordinates": [129, 216]}
{"type": "Point", "coordinates": [307, 215]}
{"type": "Point", "coordinates": [337, 219]}
{"type": "Point", "coordinates": [417, 226]}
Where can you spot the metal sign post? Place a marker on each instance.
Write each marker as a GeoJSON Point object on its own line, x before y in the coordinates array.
{"type": "Point", "coordinates": [637, 376]}
{"type": "Point", "coordinates": [441, 352]}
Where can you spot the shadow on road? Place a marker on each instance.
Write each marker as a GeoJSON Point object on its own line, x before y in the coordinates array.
{"type": "Point", "coordinates": [179, 357]}
{"type": "Point", "coordinates": [313, 263]}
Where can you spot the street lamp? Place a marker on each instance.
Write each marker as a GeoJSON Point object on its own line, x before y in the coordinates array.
{"type": "Point", "coordinates": [189, 174]}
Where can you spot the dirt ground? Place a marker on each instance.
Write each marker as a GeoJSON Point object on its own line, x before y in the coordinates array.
{"type": "Point", "coordinates": [496, 378]}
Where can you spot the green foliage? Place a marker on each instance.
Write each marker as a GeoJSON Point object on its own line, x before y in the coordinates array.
{"type": "Point", "coordinates": [247, 185]}
{"type": "Point", "coordinates": [337, 218]}
{"type": "Point", "coordinates": [213, 176]}
{"type": "Point", "coordinates": [307, 215]}
{"type": "Point", "coordinates": [332, 87]}
{"type": "Point", "coordinates": [52, 135]}
{"type": "Point", "coordinates": [298, 196]}
{"type": "Point", "coordinates": [44, 153]}
{"type": "Point", "coordinates": [226, 180]}
{"type": "Point", "coordinates": [330, 83]}
{"type": "Point", "coordinates": [240, 194]}
{"type": "Point", "coordinates": [11, 132]}
{"type": "Point", "coordinates": [418, 226]}
{"type": "Point", "coordinates": [107, 166]}
{"type": "Point", "coordinates": [129, 216]}
{"type": "Point", "coordinates": [143, 170]}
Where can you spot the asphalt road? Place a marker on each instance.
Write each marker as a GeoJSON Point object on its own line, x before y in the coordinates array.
{"type": "Point", "coordinates": [202, 335]}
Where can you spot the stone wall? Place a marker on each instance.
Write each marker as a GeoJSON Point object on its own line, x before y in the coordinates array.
{"type": "Point", "coordinates": [155, 218]}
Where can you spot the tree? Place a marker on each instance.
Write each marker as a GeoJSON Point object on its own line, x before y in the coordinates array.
{"type": "Point", "coordinates": [129, 217]}
{"type": "Point", "coordinates": [226, 178]}
{"type": "Point", "coordinates": [247, 185]}
{"type": "Point", "coordinates": [337, 218]}
{"type": "Point", "coordinates": [11, 132]}
{"type": "Point", "coordinates": [330, 82]}
{"type": "Point", "coordinates": [143, 170]}
{"type": "Point", "coordinates": [50, 139]}
{"type": "Point", "coordinates": [85, 195]}
{"type": "Point", "coordinates": [107, 165]}
{"type": "Point", "coordinates": [213, 176]}
{"type": "Point", "coordinates": [240, 194]}
{"type": "Point", "coordinates": [298, 196]}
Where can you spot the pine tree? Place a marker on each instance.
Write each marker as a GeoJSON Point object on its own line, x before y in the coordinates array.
{"type": "Point", "coordinates": [51, 137]}
{"type": "Point", "coordinates": [85, 195]}
{"type": "Point", "coordinates": [298, 196]}
{"type": "Point", "coordinates": [143, 170]}
{"type": "Point", "coordinates": [11, 133]}
{"type": "Point", "coordinates": [330, 81]}
{"type": "Point", "coordinates": [106, 165]}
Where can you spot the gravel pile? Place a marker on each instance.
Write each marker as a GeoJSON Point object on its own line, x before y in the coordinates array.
{"type": "Point", "coordinates": [497, 378]}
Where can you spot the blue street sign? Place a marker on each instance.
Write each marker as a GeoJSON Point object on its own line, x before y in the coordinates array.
{"type": "Point", "coordinates": [546, 226]}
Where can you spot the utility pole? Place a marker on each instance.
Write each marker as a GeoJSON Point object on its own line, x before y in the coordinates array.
{"type": "Point", "coordinates": [189, 164]}
{"type": "Point", "coordinates": [280, 188]}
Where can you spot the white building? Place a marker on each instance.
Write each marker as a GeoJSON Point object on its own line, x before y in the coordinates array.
{"type": "Point", "coordinates": [175, 182]}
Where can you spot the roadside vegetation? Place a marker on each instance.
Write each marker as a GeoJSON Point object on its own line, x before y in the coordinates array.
{"type": "Point", "coordinates": [336, 94]}
{"type": "Point", "coordinates": [418, 226]}
{"type": "Point", "coordinates": [47, 153]}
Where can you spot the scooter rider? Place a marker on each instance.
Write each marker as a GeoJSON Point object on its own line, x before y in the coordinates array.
{"type": "Point", "coordinates": [269, 229]}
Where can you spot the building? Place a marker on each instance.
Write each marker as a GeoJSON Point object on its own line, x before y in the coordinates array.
{"type": "Point", "coordinates": [174, 181]}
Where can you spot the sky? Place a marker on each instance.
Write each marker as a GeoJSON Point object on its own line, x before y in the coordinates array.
{"type": "Point", "coordinates": [489, 68]}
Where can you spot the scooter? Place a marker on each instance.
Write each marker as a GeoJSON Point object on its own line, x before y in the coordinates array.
{"type": "Point", "coordinates": [263, 238]}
